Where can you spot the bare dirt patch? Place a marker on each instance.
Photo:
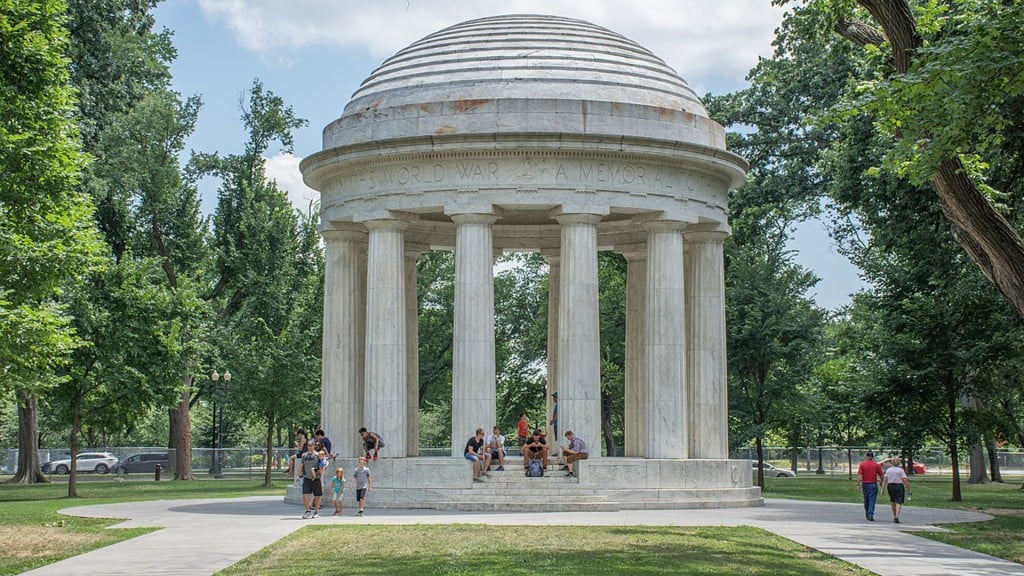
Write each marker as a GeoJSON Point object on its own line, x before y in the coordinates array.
{"type": "Point", "coordinates": [41, 541]}
{"type": "Point", "coordinates": [1004, 512]}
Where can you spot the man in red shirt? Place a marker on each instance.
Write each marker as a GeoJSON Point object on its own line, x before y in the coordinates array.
{"type": "Point", "coordinates": [868, 474]}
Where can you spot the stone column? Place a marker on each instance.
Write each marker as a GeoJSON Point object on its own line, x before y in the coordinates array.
{"type": "Point", "coordinates": [473, 363]}
{"type": "Point", "coordinates": [554, 277]}
{"type": "Point", "coordinates": [636, 385]}
{"type": "Point", "coordinates": [579, 359]}
{"type": "Point", "coordinates": [412, 352]}
{"type": "Point", "coordinates": [665, 343]}
{"type": "Point", "coordinates": [706, 359]}
{"type": "Point", "coordinates": [385, 399]}
{"type": "Point", "coordinates": [341, 396]}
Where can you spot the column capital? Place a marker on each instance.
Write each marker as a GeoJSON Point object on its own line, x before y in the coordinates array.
{"type": "Point", "coordinates": [707, 232]}
{"type": "Point", "coordinates": [578, 219]}
{"type": "Point", "coordinates": [481, 218]}
{"type": "Point", "coordinates": [631, 252]}
{"type": "Point", "coordinates": [552, 256]}
{"type": "Point", "coordinates": [388, 224]}
{"type": "Point", "coordinates": [413, 250]}
{"type": "Point", "coordinates": [347, 233]}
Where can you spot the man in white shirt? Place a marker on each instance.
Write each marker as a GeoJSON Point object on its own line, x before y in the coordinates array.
{"type": "Point", "coordinates": [895, 481]}
{"type": "Point", "coordinates": [495, 444]}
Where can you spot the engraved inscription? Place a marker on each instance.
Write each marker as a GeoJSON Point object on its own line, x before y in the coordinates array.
{"type": "Point", "coordinates": [417, 175]}
{"type": "Point", "coordinates": [534, 172]}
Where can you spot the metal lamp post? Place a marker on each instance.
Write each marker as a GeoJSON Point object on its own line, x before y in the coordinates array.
{"type": "Point", "coordinates": [217, 422]}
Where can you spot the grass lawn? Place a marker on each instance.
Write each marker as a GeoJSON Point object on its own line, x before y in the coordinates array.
{"type": "Point", "coordinates": [529, 550]}
{"type": "Point", "coordinates": [1000, 537]}
{"type": "Point", "coordinates": [33, 534]}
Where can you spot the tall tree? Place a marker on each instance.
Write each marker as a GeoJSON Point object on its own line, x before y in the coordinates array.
{"type": "Point", "coordinates": [137, 169]}
{"type": "Point", "coordinates": [953, 71]}
{"type": "Point", "coordinates": [128, 364]}
{"type": "Point", "coordinates": [264, 259]}
{"type": "Point", "coordinates": [773, 335]}
{"type": "Point", "coordinates": [47, 238]}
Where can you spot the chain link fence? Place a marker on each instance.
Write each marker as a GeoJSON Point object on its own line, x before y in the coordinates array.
{"type": "Point", "coordinates": [237, 463]}
{"type": "Point", "coordinates": [249, 462]}
{"type": "Point", "coordinates": [843, 460]}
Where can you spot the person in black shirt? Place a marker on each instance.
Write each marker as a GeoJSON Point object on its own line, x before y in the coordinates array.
{"type": "Point", "coordinates": [536, 448]}
{"type": "Point", "coordinates": [475, 453]}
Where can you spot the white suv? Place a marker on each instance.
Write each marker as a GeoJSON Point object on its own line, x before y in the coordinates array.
{"type": "Point", "coordinates": [98, 462]}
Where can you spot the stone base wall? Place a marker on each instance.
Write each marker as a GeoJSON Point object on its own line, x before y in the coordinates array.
{"type": "Point", "coordinates": [605, 484]}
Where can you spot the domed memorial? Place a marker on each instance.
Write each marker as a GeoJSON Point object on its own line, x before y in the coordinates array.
{"type": "Point", "coordinates": [539, 133]}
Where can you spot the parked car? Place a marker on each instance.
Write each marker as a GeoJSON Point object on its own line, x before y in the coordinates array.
{"type": "Point", "coordinates": [918, 468]}
{"type": "Point", "coordinates": [771, 471]}
{"type": "Point", "coordinates": [145, 462]}
{"type": "Point", "coordinates": [98, 462]}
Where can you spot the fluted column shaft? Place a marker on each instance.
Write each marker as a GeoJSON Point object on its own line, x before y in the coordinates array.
{"type": "Point", "coordinates": [385, 398]}
{"type": "Point", "coordinates": [554, 278]}
{"type": "Point", "coordinates": [579, 360]}
{"type": "Point", "coordinates": [665, 343]}
{"type": "Point", "coordinates": [706, 357]}
{"type": "Point", "coordinates": [412, 354]}
{"type": "Point", "coordinates": [341, 400]}
{"type": "Point", "coordinates": [473, 363]}
{"type": "Point", "coordinates": [636, 385]}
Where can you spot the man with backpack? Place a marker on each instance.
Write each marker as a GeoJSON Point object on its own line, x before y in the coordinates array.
{"type": "Point", "coordinates": [536, 449]}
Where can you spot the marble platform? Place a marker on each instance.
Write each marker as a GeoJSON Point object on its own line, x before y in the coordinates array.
{"type": "Point", "coordinates": [607, 484]}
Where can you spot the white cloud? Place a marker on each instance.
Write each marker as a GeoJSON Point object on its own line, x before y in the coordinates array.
{"type": "Point", "coordinates": [696, 37]}
{"type": "Point", "coordinates": [284, 169]}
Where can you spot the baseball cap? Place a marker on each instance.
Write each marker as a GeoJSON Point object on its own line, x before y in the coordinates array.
{"type": "Point", "coordinates": [870, 454]}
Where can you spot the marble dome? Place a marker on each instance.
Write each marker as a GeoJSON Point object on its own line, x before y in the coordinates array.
{"type": "Point", "coordinates": [517, 74]}
{"type": "Point", "coordinates": [525, 56]}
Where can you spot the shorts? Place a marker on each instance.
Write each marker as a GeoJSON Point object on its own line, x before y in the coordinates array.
{"type": "Point", "coordinates": [472, 457]}
{"type": "Point", "coordinates": [575, 457]}
{"type": "Point", "coordinates": [896, 493]}
{"type": "Point", "coordinates": [311, 486]}
{"type": "Point", "coordinates": [338, 496]}
{"type": "Point", "coordinates": [496, 454]}
{"type": "Point", "coordinates": [534, 450]}
{"type": "Point", "coordinates": [360, 493]}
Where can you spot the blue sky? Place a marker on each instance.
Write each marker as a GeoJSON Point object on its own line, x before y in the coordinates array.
{"type": "Point", "coordinates": [314, 54]}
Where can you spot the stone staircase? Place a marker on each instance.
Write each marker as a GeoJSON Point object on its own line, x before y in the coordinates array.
{"type": "Point", "coordinates": [603, 485]}
{"type": "Point", "coordinates": [512, 490]}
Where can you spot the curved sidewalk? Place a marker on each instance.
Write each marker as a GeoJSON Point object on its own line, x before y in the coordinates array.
{"type": "Point", "coordinates": [204, 536]}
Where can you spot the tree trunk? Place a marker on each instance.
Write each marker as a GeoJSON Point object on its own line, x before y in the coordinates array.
{"type": "Point", "coordinates": [606, 424]}
{"type": "Point", "coordinates": [992, 243]}
{"type": "Point", "coordinates": [952, 437]}
{"type": "Point", "coordinates": [181, 434]}
{"type": "Point", "coordinates": [76, 430]}
{"type": "Point", "coordinates": [993, 458]}
{"type": "Point", "coordinates": [28, 440]}
{"type": "Point", "coordinates": [268, 482]}
{"type": "Point", "coordinates": [978, 474]}
{"type": "Point", "coordinates": [760, 460]}
{"type": "Point", "coordinates": [849, 464]}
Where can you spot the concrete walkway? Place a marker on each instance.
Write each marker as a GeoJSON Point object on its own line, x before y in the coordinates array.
{"type": "Point", "coordinates": [204, 536]}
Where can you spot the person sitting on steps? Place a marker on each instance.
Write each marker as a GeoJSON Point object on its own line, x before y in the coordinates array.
{"type": "Point", "coordinates": [475, 453]}
{"type": "Point", "coordinates": [576, 450]}
{"type": "Point", "coordinates": [536, 448]}
{"type": "Point", "coordinates": [495, 446]}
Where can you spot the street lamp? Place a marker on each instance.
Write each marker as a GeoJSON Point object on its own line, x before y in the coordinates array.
{"type": "Point", "coordinates": [217, 425]}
